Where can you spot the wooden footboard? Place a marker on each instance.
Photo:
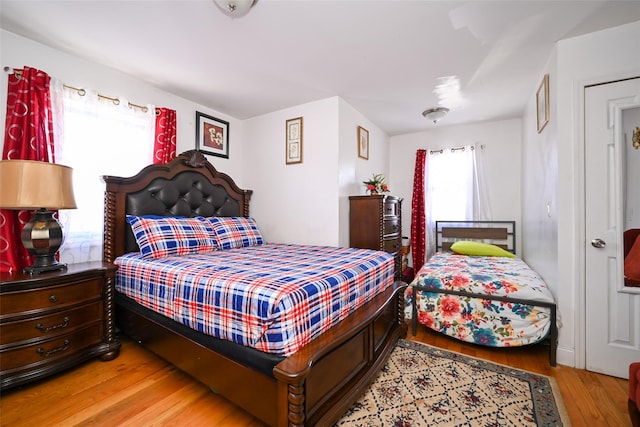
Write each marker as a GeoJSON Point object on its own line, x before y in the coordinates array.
{"type": "Point", "coordinates": [326, 377]}
{"type": "Point", "coordinates": [313, 387]}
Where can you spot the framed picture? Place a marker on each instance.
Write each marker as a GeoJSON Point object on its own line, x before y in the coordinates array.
{"type": "Point", "coordinates": [293, 148]}
{"type": "Point", "coordinates": [212, 135]}
{"type": "Point", "coordinates": [363, 143]}
{"type": "Point", "coordinates": [542, 103]}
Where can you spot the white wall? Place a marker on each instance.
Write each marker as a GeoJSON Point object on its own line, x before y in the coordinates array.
{"type": "Point", "coordinates": [502, 141]}
{"type": "Point", "coordinates": [296, 203]}
{"type": "Point", "coordinates": [308, 203]}
{"type": "Point", "coordinates": [540, 187]}
{"type": "Point", "coordinates": [353, 169]}
{"type": "Point", "coordinates": [17, 51]}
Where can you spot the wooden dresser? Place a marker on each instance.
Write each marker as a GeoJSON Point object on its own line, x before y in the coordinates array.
{"type": "Point", "coordinates": [375, 223]}
{"type": "Point", "coordinates": [53, 321]}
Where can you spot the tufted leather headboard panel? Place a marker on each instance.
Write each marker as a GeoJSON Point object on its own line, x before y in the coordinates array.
{"type": "Point", "coordinates": [186, 194]}
{"type": "Point", "coordinates": [187, 186]}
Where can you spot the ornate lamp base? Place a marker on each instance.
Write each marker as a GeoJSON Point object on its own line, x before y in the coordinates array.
{"type": "Point", "coordinates": [42, 237]}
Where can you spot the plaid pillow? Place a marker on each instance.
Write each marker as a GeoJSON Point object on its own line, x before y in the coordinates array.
{"type": "Point", "coordinates": [236, 232]}
{"type": "Point", "coordinates": [161, 237]}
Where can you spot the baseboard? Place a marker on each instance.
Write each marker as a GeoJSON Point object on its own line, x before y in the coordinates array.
{"type": "Point", "coordinates": [566, 357]}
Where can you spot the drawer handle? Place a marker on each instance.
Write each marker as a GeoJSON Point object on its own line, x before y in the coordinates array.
{"type": "Point", "coordinates": [53, 298]}
{"type": "Point", "coordinates": [41, 351]}
{"type": "Point", "coordinates": [45, 329]}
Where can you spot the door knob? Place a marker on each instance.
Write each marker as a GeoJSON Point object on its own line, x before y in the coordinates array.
{"type": "Point", "coordinates": [598, 243]}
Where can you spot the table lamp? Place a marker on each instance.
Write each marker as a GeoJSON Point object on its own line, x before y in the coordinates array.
{"type": "Point", "coordinates": [38, 186]}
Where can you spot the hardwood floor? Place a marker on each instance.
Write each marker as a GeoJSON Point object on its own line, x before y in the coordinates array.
{"type": "Point", "coordinates": [139, 389]}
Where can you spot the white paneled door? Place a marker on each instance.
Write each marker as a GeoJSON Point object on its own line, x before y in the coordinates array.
{"type": "Point", "coordinates": [612, 310]}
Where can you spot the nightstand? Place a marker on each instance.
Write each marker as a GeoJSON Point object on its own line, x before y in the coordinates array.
{"type": "Point", "coordinates": [53, 321]}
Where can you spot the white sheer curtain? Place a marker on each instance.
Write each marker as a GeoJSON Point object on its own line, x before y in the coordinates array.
{"type": "Point", "coordinates": [101, 137]}
{"type": "Point", "coordinates": [454, 189]}
{"type": "Point", "coordinates": [481, 202]}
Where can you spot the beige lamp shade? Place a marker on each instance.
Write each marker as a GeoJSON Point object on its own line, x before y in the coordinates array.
{"type": "Point", "coordinates": [29, 184]}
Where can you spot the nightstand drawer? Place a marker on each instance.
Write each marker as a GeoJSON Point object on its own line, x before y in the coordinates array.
{"type": "Point", "coordinates": [52, 321]}
{"type": "Point", "coordinates": [14, 303]}
{"type": "Point", "coordinates": [48, 351]}
{"type": "Point", "coordinates": [60, 322]}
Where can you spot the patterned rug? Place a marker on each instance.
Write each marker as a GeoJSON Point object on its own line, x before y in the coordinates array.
{"type": "Point", "coordinates": [423, 385]}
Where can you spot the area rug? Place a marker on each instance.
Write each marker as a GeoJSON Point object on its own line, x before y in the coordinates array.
{"type": "Point", "coordinates": [422, 385]}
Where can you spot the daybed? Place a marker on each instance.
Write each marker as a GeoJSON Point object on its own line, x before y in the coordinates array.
{"type": "Point", "coordinates": [495, 300]}
{"type": "Point", "coordinates": [311, 379]}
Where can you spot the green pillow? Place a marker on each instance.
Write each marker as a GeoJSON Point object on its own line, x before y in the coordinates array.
{"type": "Point", "coordinates": [466, 247]}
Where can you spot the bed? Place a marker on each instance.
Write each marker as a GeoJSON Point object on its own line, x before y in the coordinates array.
{"type": "Point", "coordinates": [309, 379]}
{"type": "Point", "coordinates": [476, 290]}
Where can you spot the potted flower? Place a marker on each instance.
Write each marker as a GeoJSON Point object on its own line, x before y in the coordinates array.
{"type": "Point", "coordinates": [376, 184]}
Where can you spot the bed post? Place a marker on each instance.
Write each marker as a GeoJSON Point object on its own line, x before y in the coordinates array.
{"type": "Point", "coordinates": [295, 405]}
{"type": "Point", "coordinates": [108, 250]}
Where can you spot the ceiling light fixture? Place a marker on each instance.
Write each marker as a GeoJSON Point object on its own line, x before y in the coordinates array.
{"type": "Point", "coordinates": [435, 114]}
{"type": "Point", "coordinates": [235, 8]}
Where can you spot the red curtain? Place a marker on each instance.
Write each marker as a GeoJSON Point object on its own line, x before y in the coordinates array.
{"type": "Point", "coordinates": [164, 145]}
{"type": "Point", "coordinates": [28, 136]}
{"type": "Point", "coordinates": [418, 218]}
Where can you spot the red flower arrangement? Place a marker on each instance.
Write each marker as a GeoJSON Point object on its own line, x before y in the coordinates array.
{"type": "Point", "coordinates": [376, 184]}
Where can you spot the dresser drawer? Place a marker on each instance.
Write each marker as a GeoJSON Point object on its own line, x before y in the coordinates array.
{"type": "Point", "coordinates": [391, 226]}
{"type": "Point", "coordinates": [392, 245]}
{"type": "Point", "coordinates": [60, 322]}
{"type": "Point", "coordinates": [391, 207]}
{"type": "Point", "coordinates": [51, 297]}
{"type": "Point", "coordinates": [49, 351]}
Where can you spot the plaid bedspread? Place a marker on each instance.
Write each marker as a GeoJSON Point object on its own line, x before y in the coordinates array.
{"type": "Point", "coordinates": [272, 297]}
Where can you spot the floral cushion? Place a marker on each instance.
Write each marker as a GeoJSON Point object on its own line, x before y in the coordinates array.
{"type": "Point", "coordinates": [235, 232]}
{"type": "Point", "coordinates": [166, 236]}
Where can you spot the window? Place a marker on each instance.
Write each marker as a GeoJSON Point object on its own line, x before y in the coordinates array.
{"type": "Point", "coordinates": [98, 138]}
{"type": "Point", "coordinates": [453, 189]}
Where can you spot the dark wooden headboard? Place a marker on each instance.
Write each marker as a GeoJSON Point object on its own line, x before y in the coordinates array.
{"type": "Point", "coordinates": [499, 233]}
{"type": "Point", "coordinates": [186, 186]}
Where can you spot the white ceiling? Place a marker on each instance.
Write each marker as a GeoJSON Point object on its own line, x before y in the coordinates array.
{"type": "Point", "coordinates": [384, 58]}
